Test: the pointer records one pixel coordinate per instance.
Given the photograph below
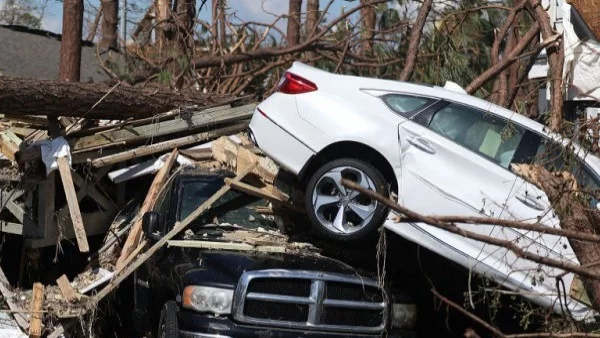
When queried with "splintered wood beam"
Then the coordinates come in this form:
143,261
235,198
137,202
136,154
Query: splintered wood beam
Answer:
135,234
66,289
9,144
37,301
135,264
270,195
166,145
73,204
227,152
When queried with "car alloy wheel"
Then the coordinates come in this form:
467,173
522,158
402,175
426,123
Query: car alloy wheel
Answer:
342,210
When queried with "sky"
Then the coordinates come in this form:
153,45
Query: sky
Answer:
254,10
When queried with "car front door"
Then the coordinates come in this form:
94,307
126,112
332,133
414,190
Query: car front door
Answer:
455,161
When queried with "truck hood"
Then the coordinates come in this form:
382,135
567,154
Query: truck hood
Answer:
224,268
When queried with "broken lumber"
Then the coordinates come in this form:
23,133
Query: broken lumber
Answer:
226,151
54,98
8,297
135,264
272,195
66,289
136,230
73,204
166,145
37,301
190,122
9,144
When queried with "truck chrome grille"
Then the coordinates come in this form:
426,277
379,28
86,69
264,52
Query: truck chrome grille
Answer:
310,300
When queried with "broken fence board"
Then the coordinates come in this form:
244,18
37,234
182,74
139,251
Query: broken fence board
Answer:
37,301
136,230
69,188
166,145
135,264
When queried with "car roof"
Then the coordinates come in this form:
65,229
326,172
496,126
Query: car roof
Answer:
431,91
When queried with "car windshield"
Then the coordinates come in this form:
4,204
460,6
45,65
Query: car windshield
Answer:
234,207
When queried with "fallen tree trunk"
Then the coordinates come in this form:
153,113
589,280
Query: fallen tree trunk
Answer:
53,98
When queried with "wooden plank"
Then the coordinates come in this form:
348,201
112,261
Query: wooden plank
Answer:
166,145
9,144
8,297
135,264
226,151
46,206
259,192
11,228
67,180
136,230
37,301
66,289
195,121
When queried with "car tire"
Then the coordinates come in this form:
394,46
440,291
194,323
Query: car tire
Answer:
362,216
167,324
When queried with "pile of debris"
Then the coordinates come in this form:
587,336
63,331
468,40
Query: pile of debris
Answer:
74,177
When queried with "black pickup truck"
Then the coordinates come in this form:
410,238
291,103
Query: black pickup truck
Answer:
192,292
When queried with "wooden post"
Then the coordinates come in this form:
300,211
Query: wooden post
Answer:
37,301
136,230
67,180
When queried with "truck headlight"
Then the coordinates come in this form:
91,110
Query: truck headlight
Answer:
404,316
207,299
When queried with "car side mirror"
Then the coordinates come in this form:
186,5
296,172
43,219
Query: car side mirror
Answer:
150,225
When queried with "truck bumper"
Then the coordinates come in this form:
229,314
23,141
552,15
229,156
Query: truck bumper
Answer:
195,325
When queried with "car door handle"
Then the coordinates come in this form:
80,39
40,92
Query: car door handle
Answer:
422,144
530,202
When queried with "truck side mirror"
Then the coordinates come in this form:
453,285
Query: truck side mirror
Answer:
150,225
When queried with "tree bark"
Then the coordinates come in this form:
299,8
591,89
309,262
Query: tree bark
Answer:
110,20
574,213
94,26
368,21
555,62
222,24
415,39
293,22
185,14
70,46
312,17
163,28
53,98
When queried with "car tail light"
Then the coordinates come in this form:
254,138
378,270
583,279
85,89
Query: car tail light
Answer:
294,84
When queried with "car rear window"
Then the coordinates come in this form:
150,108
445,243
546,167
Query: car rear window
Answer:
406,105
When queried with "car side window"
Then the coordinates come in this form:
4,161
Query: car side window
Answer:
481,132
406,105
553,156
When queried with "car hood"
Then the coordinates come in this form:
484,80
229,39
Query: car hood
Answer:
224,268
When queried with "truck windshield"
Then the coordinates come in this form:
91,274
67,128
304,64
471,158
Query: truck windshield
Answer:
234,207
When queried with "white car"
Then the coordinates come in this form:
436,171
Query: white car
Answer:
441,151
